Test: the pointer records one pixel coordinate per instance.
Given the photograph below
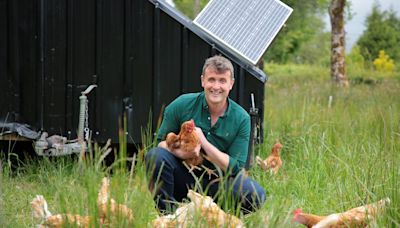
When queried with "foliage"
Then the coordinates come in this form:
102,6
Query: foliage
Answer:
315,51
383,63
302,27
189,7
382,33
337,147
354,59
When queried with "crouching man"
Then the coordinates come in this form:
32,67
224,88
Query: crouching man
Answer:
223,128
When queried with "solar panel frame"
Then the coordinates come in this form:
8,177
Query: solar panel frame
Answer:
245,27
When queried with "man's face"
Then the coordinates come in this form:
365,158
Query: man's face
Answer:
216,86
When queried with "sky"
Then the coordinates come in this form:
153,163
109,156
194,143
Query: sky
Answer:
361,9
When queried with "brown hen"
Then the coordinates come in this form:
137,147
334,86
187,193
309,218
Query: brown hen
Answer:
356,217
273,161
200,212
109,211
187,140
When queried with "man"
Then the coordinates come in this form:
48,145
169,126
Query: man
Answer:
223,128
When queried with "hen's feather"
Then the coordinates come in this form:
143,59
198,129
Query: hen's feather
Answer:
273,162
109,211
356,217
201,210
308,220
187,140
40,211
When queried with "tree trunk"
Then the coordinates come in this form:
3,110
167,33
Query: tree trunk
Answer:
196,7
338,66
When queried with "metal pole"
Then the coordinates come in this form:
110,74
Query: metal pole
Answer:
83,112
253,133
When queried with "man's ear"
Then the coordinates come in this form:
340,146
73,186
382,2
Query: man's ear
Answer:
232,83
202,80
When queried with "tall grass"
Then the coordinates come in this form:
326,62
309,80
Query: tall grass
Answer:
341,150
336,156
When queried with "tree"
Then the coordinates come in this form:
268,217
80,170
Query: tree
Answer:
338,47
303,25
382,33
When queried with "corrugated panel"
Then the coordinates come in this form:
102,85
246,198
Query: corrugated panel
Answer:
140,54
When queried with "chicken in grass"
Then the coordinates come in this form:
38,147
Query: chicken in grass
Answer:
109,209
187,140
109,212
40,211
273,162
200,212
308,220
356,217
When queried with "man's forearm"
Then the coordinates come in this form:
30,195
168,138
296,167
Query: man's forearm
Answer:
179,152
216,156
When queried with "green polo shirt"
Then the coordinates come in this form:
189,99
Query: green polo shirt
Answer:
230,134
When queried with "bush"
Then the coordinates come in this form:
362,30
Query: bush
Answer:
383,63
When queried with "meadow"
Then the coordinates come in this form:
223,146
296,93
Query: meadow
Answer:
340,150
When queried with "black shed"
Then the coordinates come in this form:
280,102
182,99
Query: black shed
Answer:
141,54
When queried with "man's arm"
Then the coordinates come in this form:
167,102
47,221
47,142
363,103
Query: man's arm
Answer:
180,153
214,155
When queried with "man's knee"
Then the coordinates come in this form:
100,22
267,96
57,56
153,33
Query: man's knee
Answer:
259,196
253,195
156,154
150,154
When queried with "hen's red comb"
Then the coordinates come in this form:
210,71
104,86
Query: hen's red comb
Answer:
277,144
297,211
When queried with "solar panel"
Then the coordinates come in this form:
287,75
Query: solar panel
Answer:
245,26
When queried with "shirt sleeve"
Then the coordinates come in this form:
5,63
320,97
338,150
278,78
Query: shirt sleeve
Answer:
170,122
239,148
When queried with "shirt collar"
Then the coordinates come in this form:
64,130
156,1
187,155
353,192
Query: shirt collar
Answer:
204,102
205,105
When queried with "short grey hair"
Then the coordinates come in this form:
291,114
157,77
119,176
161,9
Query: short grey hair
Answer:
218,64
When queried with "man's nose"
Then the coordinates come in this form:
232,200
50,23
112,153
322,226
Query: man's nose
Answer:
216,84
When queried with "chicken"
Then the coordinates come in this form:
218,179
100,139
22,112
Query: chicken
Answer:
108,208
273,161
40,211
308,220
200,212
356,217
187,140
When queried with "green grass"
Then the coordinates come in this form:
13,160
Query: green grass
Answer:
336,156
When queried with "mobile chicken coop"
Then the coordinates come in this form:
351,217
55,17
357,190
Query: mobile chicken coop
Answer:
139,54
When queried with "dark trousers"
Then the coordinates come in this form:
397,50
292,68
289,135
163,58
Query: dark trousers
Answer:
170,181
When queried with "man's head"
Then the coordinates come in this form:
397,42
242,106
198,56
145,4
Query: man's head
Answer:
217,80
218,64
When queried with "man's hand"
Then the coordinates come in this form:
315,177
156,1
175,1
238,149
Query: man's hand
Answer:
201,136
180,153
212,153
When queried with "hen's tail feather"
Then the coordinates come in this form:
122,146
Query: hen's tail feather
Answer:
259,160
40,208
273,163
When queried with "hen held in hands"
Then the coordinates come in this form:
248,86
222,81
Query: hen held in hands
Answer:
187,140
